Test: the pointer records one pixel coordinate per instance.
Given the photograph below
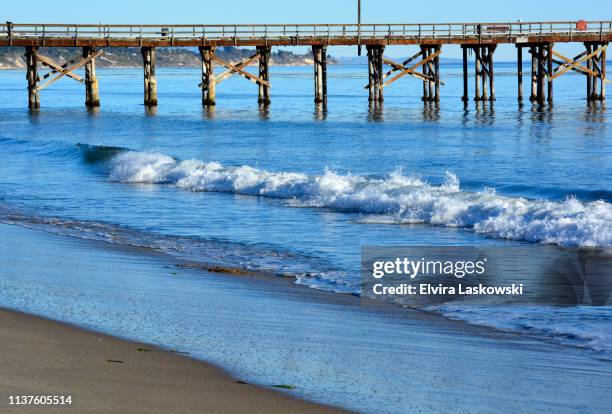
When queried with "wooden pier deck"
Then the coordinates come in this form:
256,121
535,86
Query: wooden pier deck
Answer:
482,38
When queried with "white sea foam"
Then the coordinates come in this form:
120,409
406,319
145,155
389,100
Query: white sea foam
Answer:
583,326
396,199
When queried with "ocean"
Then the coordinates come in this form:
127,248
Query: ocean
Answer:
295,191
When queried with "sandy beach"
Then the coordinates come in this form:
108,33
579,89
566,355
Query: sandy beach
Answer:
104,374
329,348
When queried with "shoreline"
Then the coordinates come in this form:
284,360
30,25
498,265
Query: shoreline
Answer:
288,282
335,349
104,373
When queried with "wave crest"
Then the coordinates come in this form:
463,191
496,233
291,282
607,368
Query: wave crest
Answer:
397,199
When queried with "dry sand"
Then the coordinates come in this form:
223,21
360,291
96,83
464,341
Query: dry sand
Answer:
43,357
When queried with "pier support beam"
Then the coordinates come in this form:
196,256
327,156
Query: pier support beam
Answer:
596,70
210,81
541,73
519,71
477,74
375,72
490,51
92,97
319,54
534,73
437,74
465,96
150,81
431,73
602,95
549,71
208,76
264,74
57,71
425,68
484,76
32,78
589,78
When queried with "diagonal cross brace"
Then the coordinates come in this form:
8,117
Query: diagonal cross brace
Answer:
230,72
67,70
578,69
395,66
411,69
569,66
238,70
402,66
484,63
50,63
224,75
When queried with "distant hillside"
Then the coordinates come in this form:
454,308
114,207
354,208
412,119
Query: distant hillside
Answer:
12,57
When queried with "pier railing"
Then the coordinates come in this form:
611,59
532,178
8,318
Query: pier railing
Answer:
287,32
481,38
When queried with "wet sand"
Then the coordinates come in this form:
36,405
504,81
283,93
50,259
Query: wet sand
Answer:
104,374
334,349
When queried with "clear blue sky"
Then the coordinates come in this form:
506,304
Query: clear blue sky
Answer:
306,11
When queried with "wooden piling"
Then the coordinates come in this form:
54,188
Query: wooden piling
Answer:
150,81
540,75
370,74
484,75
437,74
324,73
595,65
379,73
317,83
424,55
92,98
596,79
549,71
478,74
32,78
208,76
432,74
491,74
319,54
589,78
375,66
264,73
602,94
484,59
465,73
534,72
519,71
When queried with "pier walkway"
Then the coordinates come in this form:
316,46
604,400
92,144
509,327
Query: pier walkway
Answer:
481,38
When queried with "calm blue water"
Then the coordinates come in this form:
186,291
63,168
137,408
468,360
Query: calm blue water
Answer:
295,190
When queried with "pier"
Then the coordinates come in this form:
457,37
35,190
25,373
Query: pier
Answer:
537,39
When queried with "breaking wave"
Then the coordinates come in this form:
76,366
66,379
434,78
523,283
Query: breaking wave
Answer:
581,326
394,199
93,154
